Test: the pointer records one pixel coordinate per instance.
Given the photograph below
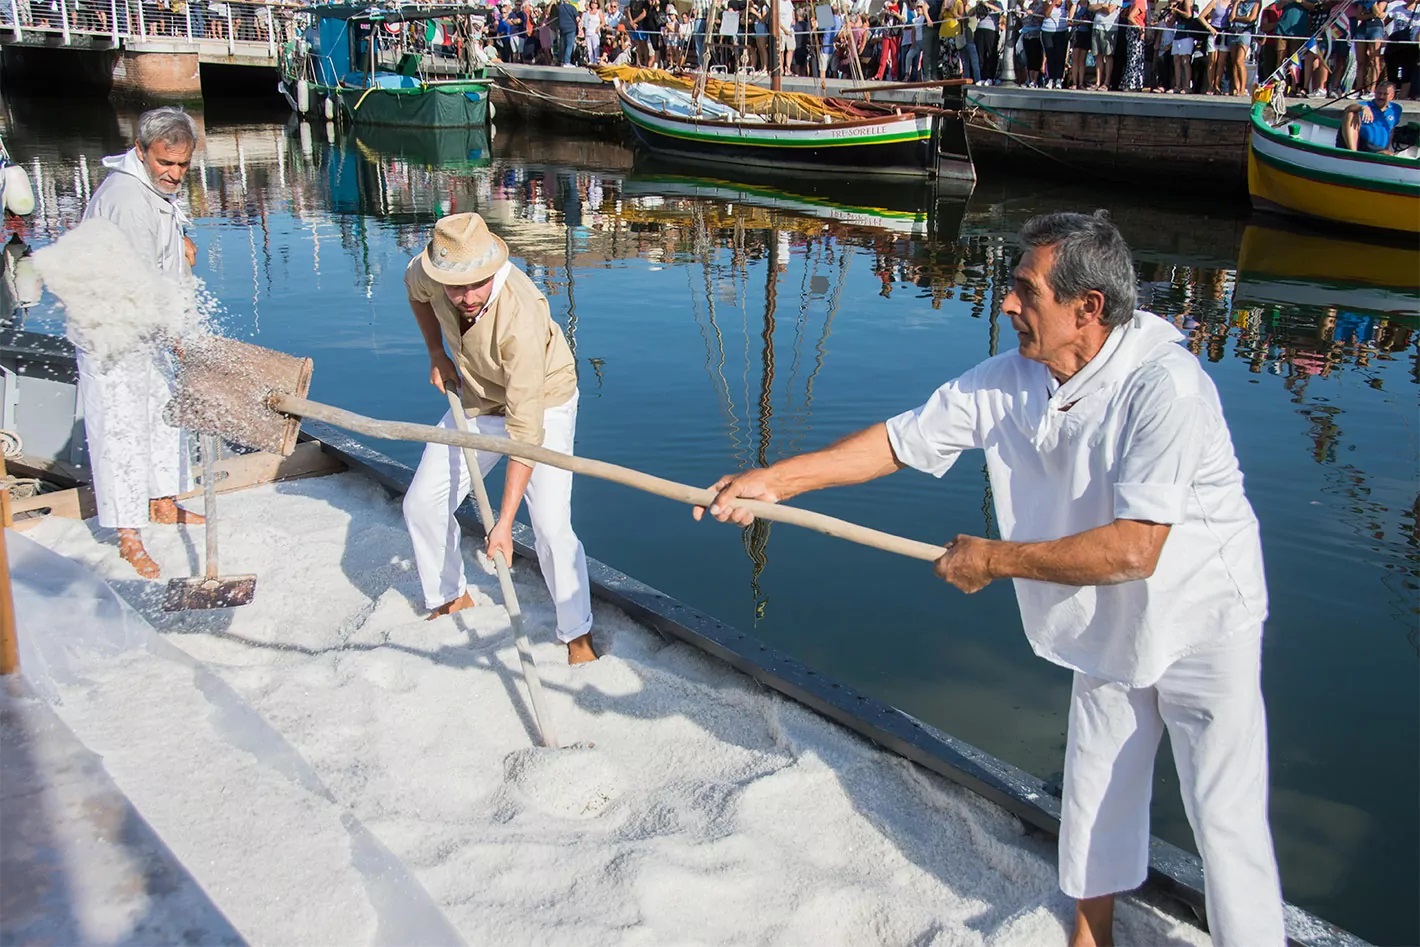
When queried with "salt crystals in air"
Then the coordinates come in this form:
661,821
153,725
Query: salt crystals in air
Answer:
116,302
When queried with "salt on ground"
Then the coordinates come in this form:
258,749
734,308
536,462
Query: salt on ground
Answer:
115,302
696,808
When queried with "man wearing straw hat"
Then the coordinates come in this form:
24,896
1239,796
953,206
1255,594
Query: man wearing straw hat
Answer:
1136,560
517,379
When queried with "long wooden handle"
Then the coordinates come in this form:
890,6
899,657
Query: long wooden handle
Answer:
695,496
543,719
9,643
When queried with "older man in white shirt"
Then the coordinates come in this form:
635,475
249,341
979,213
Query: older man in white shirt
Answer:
1136,560
139,461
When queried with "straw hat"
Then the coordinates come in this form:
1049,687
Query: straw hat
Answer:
463,251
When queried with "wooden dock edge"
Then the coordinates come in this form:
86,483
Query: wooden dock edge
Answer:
1173,873
234,472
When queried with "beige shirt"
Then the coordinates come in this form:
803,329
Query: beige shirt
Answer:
513,360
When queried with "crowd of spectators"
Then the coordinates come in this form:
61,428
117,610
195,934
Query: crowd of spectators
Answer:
1208,47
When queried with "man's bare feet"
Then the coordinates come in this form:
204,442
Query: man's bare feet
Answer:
1094,922
448,608
580,650
130,548
165,511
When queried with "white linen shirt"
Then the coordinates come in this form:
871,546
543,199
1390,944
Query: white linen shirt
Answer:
1137,434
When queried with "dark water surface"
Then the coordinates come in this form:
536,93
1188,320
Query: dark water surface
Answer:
719,325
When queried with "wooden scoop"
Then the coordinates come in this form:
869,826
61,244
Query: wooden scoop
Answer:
255,396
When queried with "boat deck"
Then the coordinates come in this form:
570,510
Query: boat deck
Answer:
410,741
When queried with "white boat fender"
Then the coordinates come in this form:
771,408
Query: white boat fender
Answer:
303,96
19,196
330,108
306,148
492,131
29,285
492,111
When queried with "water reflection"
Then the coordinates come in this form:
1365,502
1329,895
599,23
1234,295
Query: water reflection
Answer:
726,323
1299,308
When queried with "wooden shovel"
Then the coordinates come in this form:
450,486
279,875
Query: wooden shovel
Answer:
505,582
211,590
256,397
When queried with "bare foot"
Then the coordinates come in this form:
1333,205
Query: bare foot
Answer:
1094,922
130,548
165,511
580,650
448,608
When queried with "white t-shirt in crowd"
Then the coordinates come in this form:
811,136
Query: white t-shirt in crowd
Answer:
1106,21
1137,434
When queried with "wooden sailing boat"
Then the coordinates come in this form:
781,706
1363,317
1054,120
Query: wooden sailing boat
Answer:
722,122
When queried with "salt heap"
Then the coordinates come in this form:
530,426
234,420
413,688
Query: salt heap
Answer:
694,808
116,302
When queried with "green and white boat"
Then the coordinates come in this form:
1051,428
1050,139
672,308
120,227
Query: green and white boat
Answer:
337,68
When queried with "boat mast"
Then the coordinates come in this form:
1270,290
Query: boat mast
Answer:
374,34
775,77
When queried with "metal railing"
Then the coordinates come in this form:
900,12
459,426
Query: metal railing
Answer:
255,28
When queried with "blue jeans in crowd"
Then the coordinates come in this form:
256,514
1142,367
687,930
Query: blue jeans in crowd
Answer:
970,63
569,43
700,42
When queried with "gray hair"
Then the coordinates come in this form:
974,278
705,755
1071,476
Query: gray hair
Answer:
1090,254
171,126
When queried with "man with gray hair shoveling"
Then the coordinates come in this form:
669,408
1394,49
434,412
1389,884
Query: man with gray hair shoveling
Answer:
139,461
516,378
1136,561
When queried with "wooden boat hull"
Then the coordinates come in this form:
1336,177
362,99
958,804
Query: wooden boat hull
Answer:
1172,871
445,105
896,145
1308,179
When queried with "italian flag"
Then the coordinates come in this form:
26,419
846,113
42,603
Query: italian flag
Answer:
434,33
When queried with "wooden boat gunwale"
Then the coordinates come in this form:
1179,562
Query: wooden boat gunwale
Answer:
1260,126
772,126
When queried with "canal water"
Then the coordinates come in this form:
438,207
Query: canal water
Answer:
719,324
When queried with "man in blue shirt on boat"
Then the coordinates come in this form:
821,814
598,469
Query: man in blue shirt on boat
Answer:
1369,126
1136,560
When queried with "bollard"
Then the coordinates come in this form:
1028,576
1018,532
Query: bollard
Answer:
1006,59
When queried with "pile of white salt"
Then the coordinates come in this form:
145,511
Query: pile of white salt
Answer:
694,808
116,302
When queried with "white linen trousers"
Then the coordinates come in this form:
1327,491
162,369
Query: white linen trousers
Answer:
429,514
134,454
1211,703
